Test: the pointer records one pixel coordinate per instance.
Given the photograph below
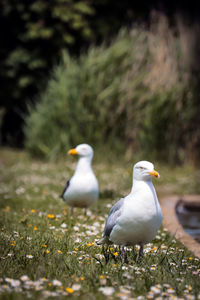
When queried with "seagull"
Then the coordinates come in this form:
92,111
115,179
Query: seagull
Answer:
81,189
135,219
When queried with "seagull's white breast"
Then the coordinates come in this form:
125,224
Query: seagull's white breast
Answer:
82,190
141,216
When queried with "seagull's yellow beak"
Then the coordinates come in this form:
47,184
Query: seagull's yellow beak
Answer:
72,151
154,173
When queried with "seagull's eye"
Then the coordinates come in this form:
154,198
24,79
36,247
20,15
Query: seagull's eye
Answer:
141,168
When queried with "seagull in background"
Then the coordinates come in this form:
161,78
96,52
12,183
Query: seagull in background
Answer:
81,189
135,219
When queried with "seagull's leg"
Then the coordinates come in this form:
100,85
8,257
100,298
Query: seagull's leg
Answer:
105,253
85,211
133,252
123,255
72,210
105,249
141,251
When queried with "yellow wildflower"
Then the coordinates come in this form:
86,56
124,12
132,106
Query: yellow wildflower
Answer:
44,246
90,244
35,228
115,253
69,290
13,243
51,216
102,276
33,210
75,249
59,251
47,251
7,208
190,258
82,278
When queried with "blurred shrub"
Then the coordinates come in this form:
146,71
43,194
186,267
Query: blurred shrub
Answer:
132,96
33,35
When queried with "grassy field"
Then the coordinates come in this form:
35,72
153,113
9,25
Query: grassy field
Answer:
46,252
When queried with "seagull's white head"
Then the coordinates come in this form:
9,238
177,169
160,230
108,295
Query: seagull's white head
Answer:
82,150
144,170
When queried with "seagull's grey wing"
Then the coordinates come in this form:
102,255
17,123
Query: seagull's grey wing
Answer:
66,187
114,213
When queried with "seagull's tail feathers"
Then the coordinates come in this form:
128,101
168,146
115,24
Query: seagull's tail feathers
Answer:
104,240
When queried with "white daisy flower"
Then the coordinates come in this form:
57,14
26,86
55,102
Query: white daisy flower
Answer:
29,256
107,290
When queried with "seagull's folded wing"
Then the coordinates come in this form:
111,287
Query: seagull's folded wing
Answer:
114,213
66,187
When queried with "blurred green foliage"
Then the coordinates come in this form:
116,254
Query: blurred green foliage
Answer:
35,32
122,97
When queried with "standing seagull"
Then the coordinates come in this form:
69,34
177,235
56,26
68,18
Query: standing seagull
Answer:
136,218
82,189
